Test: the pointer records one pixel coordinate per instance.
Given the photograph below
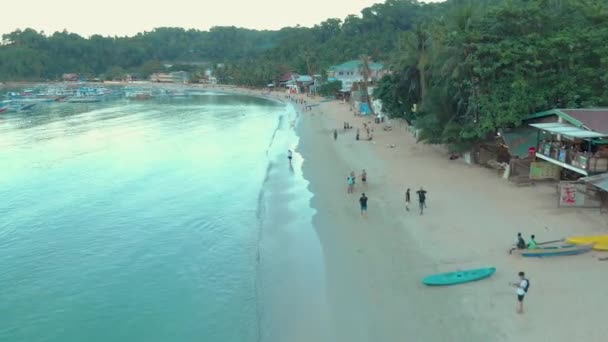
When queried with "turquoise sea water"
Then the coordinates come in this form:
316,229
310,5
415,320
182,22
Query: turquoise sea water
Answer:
133,221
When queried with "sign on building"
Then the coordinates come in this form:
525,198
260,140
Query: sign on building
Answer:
544,170
576,194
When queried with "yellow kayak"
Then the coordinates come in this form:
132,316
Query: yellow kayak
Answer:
601,241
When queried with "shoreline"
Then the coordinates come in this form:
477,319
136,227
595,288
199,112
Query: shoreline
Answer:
374,266
290,276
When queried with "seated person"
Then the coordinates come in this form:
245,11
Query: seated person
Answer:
519,243
532,244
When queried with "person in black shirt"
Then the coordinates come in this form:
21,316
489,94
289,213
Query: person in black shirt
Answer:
421,199
363,202
519,243
407,199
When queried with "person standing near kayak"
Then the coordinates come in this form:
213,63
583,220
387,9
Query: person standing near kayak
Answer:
522,287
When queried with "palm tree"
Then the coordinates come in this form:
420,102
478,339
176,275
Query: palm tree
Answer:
366,71
414,52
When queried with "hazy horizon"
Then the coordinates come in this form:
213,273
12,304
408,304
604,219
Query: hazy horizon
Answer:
122,18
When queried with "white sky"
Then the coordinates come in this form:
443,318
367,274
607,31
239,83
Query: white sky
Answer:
127,17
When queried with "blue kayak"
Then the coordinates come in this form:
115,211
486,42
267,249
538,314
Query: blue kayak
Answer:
459,277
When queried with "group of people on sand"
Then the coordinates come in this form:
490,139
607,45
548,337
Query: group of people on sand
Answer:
421,199
350,181
368,131
520,243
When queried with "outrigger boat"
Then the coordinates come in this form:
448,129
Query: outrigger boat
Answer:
554,250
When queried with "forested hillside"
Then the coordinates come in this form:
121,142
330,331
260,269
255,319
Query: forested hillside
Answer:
469,66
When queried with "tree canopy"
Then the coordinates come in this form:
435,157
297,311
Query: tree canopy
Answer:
460,69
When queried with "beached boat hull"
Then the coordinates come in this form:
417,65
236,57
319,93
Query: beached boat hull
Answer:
601,241
556,250
459,277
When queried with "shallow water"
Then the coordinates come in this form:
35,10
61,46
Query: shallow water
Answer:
143,221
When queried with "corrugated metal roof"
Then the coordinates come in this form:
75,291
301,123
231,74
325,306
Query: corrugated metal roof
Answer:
304,78
520,140
356,64
599,181
569,130
594,119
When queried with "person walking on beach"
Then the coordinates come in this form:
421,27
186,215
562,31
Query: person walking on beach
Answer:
363,203
407,199
364,177
289,155
421,199
335,134
522,286
351,184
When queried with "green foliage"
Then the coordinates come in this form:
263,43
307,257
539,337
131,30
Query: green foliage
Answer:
483,66
469,66
330,88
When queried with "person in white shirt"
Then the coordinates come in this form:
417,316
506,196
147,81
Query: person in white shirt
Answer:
522,288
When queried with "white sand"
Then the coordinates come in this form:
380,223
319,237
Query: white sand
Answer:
375,264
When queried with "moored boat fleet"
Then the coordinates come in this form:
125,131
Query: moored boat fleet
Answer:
26,99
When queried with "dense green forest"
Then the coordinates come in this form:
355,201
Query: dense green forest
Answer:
468,66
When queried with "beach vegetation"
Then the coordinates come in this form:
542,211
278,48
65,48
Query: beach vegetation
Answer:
330,88
459,69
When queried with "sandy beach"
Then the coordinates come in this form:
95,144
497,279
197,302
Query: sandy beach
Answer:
375,264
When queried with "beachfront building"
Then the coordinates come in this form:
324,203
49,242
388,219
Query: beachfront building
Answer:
287,80
351,72
173,77
573,142
296,83
304,82
573,139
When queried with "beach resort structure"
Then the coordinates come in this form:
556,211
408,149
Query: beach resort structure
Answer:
173,77
296,83
566,146
351,72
